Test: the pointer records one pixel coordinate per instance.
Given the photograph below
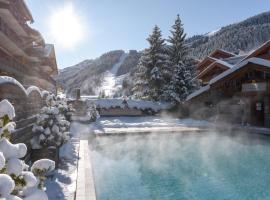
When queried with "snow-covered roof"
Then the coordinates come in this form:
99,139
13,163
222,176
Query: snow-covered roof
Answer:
255,60
212,65
258,61
224,63
234,60
198,92
254,52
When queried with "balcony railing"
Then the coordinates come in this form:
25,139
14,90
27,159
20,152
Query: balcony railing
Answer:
255,87
11,34
33,70
13,7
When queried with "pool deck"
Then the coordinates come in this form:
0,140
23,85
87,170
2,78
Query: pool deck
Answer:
85,181
182,129
253,129
145,130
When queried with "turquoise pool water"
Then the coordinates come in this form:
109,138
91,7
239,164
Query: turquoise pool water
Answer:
182,166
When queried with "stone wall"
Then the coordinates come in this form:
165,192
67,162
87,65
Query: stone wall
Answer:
27,104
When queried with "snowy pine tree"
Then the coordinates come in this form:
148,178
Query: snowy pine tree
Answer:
177,48
149,78
180,83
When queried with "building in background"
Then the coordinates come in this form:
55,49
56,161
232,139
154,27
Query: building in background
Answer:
234,88
24,55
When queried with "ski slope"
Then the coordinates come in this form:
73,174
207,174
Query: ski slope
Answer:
110,80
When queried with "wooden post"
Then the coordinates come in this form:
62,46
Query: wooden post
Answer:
78,93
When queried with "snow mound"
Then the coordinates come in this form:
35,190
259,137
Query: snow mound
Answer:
45,165
29,178
10,150
33,88
6,185
2,160
14,166
6,108
35,194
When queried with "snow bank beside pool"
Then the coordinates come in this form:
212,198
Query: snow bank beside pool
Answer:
144,122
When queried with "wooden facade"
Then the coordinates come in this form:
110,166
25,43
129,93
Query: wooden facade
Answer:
240,93
23,52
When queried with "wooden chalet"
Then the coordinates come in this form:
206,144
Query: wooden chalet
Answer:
23,52
234,88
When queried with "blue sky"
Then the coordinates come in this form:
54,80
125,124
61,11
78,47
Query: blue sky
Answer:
125,24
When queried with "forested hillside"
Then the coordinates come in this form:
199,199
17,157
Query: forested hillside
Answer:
237,38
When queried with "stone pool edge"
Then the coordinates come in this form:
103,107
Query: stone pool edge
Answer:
85,188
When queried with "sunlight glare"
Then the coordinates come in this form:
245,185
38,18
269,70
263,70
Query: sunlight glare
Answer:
66,27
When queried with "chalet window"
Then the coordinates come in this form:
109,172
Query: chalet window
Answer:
258,106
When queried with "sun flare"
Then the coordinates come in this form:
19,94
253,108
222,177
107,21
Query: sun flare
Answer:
66,27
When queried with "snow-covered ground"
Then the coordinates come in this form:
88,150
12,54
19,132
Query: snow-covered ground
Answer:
109,84
62,184
133,124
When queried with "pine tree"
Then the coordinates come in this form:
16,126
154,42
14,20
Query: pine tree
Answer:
149,78
177,49
179,84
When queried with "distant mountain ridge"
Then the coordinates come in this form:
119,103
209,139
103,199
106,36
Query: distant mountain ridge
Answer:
238,37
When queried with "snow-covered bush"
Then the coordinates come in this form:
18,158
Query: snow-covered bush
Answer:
92,111
16,181
51,128
65,109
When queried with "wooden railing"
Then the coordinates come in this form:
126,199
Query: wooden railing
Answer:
4,28
255,87
33,70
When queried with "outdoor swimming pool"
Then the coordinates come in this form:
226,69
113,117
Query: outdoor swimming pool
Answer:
182,166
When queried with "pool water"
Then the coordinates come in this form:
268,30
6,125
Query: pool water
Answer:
182,166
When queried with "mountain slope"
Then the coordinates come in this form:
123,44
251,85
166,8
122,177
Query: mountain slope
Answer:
109,84
239,37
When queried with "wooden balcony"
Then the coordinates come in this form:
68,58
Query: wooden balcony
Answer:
14,16
8,32
255,87
12,66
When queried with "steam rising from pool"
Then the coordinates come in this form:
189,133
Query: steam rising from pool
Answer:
182,166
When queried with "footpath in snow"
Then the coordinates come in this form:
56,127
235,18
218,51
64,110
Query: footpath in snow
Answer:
116,125
110,80
63,183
